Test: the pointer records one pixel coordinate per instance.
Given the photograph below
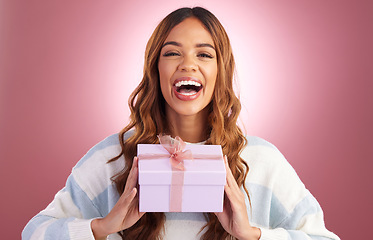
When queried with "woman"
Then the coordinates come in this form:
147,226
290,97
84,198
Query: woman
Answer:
186,91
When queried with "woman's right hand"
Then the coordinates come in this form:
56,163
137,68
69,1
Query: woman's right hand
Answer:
125,213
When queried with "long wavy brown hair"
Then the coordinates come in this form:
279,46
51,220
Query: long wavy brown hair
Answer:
148,116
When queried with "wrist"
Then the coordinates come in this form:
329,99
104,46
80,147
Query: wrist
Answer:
254,233
97,229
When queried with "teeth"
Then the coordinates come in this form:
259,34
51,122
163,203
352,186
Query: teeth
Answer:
181,83
188,94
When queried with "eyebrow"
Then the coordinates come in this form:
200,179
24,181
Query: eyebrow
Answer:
199,45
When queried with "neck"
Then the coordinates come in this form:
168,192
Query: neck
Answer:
191,128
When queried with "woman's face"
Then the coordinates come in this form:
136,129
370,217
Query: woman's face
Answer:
188,68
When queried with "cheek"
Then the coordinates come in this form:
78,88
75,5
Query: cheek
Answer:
211,77
165,71
165,75
212,84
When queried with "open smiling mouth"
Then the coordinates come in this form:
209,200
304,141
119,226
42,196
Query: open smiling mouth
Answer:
187,88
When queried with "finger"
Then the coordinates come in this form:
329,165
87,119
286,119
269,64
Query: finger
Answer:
228,169
232,189
132,176
127,198
134,204
131,195
135,162
228,192
231,181
134,167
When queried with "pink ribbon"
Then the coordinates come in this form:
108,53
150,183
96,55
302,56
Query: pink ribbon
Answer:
177,154
175,147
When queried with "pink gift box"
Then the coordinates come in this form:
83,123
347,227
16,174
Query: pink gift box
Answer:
202,189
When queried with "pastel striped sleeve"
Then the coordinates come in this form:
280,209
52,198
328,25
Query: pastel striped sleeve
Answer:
281,205
305,222
88,194
68,216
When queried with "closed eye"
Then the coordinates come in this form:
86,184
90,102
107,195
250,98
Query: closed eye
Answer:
170,54
205,55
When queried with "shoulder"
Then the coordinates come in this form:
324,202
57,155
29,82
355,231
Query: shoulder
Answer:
106,149
265,160
278,197
260,151
93,172
269,170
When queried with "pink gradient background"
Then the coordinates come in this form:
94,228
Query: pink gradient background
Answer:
305,79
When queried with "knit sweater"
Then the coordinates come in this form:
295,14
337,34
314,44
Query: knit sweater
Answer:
281,206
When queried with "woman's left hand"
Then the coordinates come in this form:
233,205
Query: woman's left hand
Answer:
234,218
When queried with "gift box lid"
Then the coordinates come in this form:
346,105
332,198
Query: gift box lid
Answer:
199,171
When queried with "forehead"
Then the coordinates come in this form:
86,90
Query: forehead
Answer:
191,30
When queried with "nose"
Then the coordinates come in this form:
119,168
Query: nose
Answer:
188,64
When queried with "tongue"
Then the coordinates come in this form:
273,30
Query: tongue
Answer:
187,90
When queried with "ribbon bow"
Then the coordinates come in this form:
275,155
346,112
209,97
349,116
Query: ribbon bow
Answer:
175,147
